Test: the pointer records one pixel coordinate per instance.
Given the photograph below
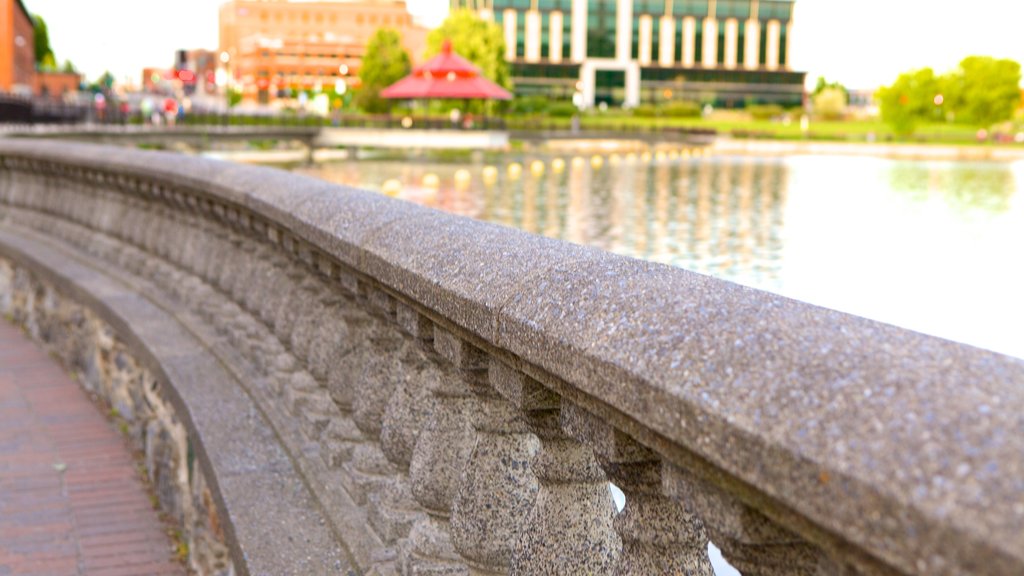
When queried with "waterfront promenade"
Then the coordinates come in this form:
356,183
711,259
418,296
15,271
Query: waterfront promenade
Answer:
71,500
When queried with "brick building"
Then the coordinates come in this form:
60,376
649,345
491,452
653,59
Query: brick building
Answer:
17,48
274,47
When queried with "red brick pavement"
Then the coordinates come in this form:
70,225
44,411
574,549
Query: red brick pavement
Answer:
71,501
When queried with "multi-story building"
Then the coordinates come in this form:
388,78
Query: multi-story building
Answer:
17,48
273,47
722,52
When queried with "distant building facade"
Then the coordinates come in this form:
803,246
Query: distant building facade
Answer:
17,48
273,47
57,85
722,52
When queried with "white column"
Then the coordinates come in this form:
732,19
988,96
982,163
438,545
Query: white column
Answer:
710,56
509,22
555,25
667,32
689,41
752,50
732,34
624,31
578,44
588,84
632,99
772,50
533,36
646,32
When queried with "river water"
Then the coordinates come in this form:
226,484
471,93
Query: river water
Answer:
935,246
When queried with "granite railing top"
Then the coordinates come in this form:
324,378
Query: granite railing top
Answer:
901,444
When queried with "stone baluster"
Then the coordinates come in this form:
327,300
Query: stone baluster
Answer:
570,523
752,543
393,512
441,453
497,489
369,470
347,362
659,535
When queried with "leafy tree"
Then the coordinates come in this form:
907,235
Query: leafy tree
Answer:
983,90
385,63
910,100
476,40
830,103
44,54
68,67
104,83
823,85
234,97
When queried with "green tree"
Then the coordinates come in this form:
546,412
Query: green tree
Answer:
385,63
983,90
103,84
68,67
44,54
824,84
830,103
476,40
910,100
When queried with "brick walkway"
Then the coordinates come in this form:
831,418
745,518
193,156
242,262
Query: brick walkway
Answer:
71,501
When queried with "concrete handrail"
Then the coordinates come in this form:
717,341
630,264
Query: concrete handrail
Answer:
800,436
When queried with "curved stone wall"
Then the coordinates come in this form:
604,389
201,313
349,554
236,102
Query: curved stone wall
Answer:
453,397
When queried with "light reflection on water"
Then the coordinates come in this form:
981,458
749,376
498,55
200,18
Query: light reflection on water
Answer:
932,246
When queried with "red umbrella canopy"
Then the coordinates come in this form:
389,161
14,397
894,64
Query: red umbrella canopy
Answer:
446,76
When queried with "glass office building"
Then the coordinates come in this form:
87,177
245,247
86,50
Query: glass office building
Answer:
723,52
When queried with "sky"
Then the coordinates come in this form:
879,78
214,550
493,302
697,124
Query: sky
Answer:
862,44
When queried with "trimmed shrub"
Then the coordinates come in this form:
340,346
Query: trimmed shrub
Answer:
765,111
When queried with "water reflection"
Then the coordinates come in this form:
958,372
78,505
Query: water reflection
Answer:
927,245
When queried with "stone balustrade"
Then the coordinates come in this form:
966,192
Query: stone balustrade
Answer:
347,383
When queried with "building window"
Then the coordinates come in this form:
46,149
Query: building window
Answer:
774,10
782,45
601,28
732,9
545,35
698,8
721,43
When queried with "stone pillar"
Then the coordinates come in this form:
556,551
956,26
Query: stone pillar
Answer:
689,41
533,36
395,511
659,535
709,56
572,515
510,24
369,470
624,31
497,488
753,544
556,25
578,46
646,32
667,48
440,456
772,48
752,47
732,32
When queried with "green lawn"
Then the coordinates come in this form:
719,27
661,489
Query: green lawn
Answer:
852,130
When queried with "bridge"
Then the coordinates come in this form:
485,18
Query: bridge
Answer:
332,381
355,133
